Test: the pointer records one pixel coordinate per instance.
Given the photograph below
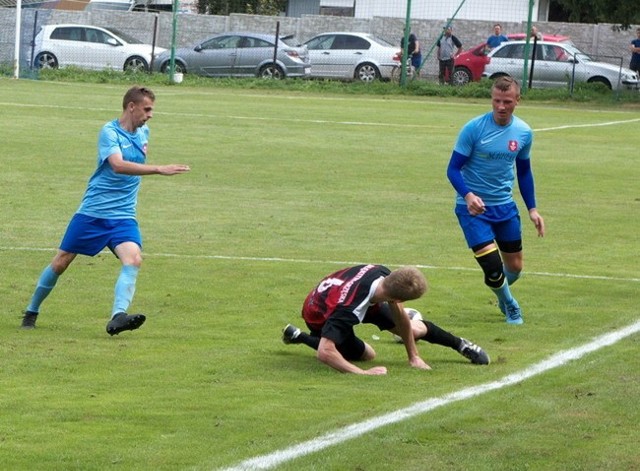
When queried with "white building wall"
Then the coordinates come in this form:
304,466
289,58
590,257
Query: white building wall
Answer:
488,10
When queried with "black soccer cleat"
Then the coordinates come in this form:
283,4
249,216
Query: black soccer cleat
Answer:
290,334
122,321
29,320
473,352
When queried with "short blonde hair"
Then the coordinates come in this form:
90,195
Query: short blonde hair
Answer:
405,284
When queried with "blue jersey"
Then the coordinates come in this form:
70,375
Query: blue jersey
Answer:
491,152
110,195
635,56
494,41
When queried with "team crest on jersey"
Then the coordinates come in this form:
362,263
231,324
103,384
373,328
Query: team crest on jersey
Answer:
513,146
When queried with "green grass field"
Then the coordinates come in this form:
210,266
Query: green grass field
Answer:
285,188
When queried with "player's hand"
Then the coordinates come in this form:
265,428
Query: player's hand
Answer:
417,362
173,169
537,220
475,205
376,371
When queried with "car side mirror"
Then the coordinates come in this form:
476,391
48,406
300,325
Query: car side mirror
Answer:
198,48
112,42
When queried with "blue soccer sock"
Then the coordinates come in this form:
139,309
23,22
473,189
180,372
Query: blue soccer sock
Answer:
503,293
125,288
512,276
46,282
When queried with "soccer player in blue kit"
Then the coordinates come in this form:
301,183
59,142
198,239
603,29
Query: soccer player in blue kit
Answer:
490,151
107,214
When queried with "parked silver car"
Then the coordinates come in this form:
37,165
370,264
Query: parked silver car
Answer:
239,55
350,56
90,47
556,65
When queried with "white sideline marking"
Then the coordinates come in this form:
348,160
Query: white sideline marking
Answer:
573,126
331,262
349,432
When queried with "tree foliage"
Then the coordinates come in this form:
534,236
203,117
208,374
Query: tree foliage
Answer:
253,7
621,12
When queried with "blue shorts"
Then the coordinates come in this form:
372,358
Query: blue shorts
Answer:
500,223
87,235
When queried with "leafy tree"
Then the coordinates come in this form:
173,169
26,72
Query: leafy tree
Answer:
621,12
267,7
256,7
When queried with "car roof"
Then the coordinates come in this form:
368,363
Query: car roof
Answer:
352,33
522,41
247,33
545,37
72,25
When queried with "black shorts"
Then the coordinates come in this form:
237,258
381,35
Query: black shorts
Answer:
339,329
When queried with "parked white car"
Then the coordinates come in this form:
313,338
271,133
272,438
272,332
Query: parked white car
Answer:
350,56
90,47
556,65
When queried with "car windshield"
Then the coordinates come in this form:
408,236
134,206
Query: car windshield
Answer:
574,51
125,36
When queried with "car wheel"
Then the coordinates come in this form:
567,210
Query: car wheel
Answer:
135,64
601,80
461,76
179,68
270,71
367,73
46,60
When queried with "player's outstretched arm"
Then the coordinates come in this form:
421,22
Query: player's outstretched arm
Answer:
119,165
403,326
329,355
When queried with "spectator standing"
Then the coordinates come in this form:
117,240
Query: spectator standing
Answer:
413,50
448,48
496,38
634,47
535,34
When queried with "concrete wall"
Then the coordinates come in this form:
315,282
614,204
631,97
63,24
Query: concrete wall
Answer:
600,39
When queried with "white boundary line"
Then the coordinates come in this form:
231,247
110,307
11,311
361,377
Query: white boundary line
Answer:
332,262
349,432
313,121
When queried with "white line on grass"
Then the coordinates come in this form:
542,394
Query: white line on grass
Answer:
312,121
332,262
573,126
349,432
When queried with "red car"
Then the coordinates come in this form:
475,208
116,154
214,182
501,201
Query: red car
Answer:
469,65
